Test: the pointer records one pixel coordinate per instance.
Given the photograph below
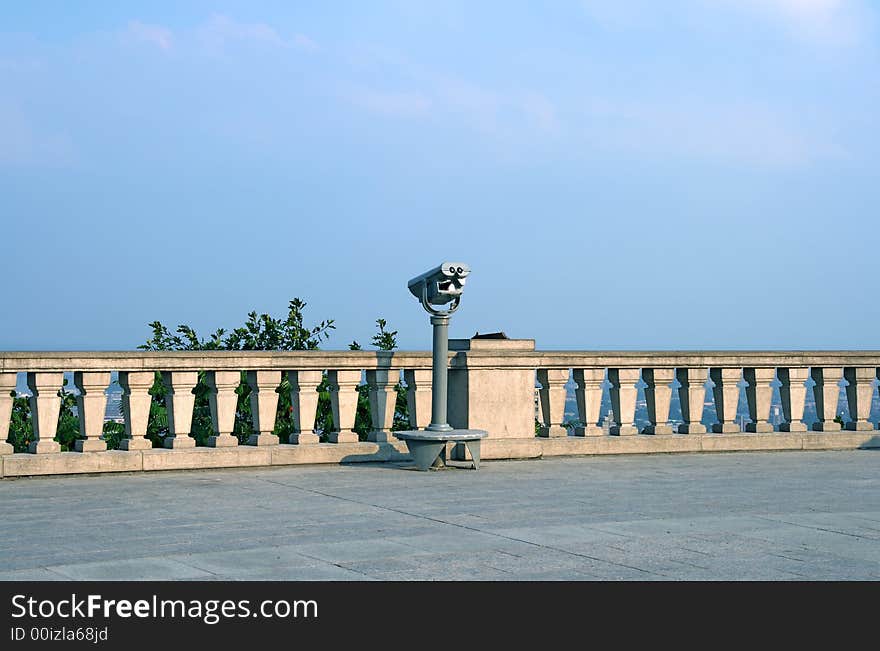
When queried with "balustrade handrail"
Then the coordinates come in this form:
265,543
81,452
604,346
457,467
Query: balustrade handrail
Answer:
343,359
211,360
562,359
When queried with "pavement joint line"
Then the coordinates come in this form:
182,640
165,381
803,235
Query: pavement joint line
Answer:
613,533
673,560
697,551
201,569
797,574
498,569
790,558
340,564
814,528
807,548
48,569
133,558
462,526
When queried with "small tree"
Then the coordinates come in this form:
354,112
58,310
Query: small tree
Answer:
259,332
383,340
68,422
21,427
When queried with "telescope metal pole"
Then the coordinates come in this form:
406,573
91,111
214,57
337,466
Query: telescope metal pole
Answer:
439,374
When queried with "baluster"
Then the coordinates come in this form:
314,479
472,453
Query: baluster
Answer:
589,400
179,402
223,401
7,386
343,403
793,393
304,399
759,394
418,397
658,396
539,408
726,394
136,401
45,406
91,405
692,395
826,393
552,401
623,400
383,398
859,394
264,406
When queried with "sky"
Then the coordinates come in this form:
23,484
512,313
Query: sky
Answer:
691,174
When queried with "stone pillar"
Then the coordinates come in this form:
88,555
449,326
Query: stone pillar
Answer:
487,392
264,406
859,394
658,396
793,393
7,386
726,393
826,392
623,400
179,401
691,395
589,400
343,403
136,401
304,399
91,405
223,401
759,394
552,397
418,397
45,405
383,398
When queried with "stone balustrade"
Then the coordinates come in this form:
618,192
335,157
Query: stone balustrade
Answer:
180,373
730,375
491,386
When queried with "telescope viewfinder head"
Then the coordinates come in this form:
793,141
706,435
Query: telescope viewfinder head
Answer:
441,285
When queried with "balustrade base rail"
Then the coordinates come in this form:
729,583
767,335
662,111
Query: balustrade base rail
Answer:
66,463
747,442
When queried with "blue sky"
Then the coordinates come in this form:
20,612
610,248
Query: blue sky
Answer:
681,175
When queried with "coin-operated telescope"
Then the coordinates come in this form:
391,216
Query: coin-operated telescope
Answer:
441,286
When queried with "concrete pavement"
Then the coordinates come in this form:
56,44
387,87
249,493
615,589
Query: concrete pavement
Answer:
774,516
